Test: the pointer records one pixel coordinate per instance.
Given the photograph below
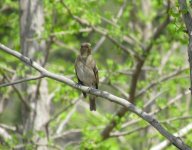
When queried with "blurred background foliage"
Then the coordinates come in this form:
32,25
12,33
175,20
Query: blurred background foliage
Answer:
138,22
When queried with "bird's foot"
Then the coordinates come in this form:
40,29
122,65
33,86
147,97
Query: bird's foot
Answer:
91,89
78,85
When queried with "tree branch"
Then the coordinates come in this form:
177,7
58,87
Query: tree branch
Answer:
21,81
170,102
180,133
113,22
123,102
125,133
160,80
25,102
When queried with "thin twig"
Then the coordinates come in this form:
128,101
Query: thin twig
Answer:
22,80
7,127
119,14
170,102
117,134
19,95
162,79
178,134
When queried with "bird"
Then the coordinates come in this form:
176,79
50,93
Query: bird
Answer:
87,71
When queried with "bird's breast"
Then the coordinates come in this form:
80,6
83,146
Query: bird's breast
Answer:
85,74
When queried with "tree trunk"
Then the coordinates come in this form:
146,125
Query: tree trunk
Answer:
32,45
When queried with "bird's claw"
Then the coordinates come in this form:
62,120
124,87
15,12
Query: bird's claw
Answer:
77,85
90,89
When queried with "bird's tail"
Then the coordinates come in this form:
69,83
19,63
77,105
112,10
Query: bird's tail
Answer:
92,103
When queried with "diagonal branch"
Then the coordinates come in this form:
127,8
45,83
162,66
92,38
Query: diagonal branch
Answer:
125,133
123,102
119,14
180,133
170,102
19,94
160,80
21,81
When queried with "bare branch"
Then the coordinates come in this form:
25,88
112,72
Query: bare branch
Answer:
119,14
117,134
64,122
162,79
19,95
170,102
22,80
7,127
180,133
63,110
68,132
4,134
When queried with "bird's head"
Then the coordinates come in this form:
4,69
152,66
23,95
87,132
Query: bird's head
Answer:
85,49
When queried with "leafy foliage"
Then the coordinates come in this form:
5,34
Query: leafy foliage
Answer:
134,30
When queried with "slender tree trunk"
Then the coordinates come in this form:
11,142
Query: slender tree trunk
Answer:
32,45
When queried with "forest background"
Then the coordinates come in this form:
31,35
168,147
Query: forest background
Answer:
141,50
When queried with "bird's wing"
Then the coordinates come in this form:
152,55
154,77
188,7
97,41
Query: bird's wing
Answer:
79,81
95,70
92,65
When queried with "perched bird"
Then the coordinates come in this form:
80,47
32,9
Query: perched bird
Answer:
87,72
